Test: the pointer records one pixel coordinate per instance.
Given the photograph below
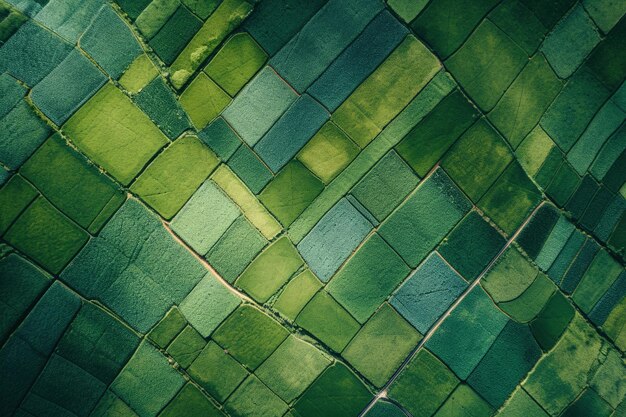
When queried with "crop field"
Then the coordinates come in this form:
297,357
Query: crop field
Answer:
312,208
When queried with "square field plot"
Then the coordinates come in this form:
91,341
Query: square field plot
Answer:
115,134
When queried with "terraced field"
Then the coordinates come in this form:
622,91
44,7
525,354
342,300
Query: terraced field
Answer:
312,208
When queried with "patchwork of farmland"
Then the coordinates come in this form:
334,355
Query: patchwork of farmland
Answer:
312,208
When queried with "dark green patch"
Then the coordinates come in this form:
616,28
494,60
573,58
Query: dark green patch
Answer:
551,322
471,245
429,140
337,393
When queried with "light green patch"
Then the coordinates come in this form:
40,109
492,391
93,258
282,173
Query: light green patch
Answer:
605,13
465,402
328,321
250,336
226,17
255,399
115,134
509,277
205,217
554,244
270,270
155,16
487,64
394,83
148,382
561,375
72,184
609,381
138,74
381,346
466,335
208,304
190,401
524,102
368,278
527,305
168,328
292,368
235,64
297,294
534,150
614,325
203,101
170,180
111,405
425,218
290,192
407,9
250,206
521,405
328,152
383,188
